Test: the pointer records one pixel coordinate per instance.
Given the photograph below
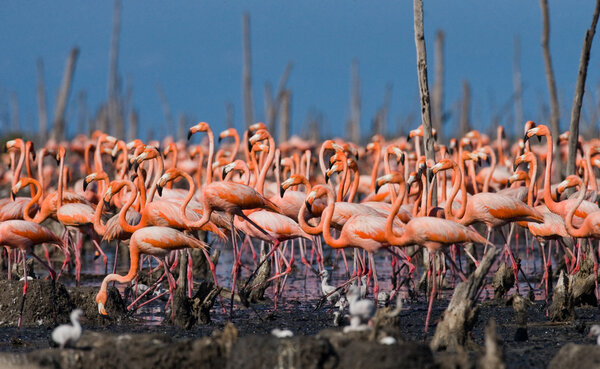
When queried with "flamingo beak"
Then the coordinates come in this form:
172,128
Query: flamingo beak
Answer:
189,135
135,165
408,137
430,175
159,189
101,309
377,187
326,178
539,138
281,191
308,206
85,184
12,196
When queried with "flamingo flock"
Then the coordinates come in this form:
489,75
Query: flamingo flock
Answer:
299,199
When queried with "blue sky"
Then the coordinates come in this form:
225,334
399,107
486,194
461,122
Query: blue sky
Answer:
193,50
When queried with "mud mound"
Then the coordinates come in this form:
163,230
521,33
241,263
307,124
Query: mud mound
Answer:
101,350
85,299
43,305
576,356
96,350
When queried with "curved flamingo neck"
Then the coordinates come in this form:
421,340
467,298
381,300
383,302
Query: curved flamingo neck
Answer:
488,178
392,238
40,172
328,215
99,227
355,183
316,230
122,219
590,171
387,167
86,158
375,170
532,182
207,209
550,203
199,170
456,185
575,232
236,146
265,168
34,200
134,256
211,154
278,167
60,189
19,167
156,176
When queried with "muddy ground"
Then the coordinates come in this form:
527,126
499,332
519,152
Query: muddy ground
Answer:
124,339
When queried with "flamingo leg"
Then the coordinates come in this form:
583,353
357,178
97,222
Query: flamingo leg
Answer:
375,281
433,290
234,271
25,285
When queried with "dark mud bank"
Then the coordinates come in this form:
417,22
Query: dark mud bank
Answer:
224,349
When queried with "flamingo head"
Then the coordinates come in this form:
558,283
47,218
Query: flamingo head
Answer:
519,175
443,164
539,131
101,301
415,132
569,182
395,177
329,144
260,135
231,132
452,145
17,187
312,195
412,178
294,180
335,168
200,127
60,154
96,176
256,126
171,147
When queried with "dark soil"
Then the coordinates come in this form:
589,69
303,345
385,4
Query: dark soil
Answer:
109,341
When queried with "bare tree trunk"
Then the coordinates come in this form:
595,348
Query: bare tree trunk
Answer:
82,116
102,119
380,120
166,109
41,100
428,139
133,125
554,107
269,108
579,90
518,86
228,114
59,125
465,109
181,131
284,116
437,112
272,105
246,73
354,121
